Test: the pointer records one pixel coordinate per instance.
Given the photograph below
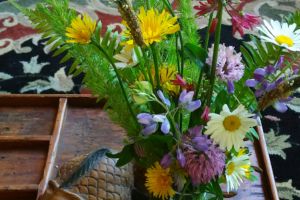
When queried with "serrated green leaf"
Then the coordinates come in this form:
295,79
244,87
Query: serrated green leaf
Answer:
106,37
249,136
248,59
60,50
56,37
67,57
256,57
260,48
254,133
78,71
86,166
57,44
112,43
37,21
270,48
74,65
40,25
33,17
98,32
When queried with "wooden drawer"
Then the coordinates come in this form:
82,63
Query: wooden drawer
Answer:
38,133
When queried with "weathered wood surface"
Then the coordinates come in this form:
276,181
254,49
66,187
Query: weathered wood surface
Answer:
86,127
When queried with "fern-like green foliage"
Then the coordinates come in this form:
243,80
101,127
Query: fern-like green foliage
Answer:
293,18
51,18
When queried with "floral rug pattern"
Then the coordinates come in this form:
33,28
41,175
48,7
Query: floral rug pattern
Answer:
27,67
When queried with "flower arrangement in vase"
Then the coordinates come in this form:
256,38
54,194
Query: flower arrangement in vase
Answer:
186,108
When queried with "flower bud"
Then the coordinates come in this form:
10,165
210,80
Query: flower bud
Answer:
213,26
166,161
141,92
180,157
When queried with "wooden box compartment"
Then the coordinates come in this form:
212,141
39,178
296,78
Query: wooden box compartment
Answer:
38,133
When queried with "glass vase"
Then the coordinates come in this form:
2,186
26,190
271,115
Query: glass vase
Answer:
194,196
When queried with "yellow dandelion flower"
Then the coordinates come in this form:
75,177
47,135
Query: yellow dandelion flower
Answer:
159,182
154,27
81,30
172,90
166,73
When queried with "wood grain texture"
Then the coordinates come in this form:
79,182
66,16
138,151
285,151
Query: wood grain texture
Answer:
25,138
26,120
53,145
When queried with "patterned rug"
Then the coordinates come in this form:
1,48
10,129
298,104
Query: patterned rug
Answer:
27,67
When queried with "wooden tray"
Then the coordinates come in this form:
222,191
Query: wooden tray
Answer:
38,133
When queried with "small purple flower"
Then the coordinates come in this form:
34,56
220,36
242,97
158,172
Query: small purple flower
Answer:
166,161
230,87
259,74
196,131
186,100
150,126
279,63
180,157
200,143
165,126
251,83
163,98
280,107
295,71
261,90
270,69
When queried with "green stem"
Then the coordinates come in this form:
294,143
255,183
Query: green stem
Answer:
216,51
207,32
177,56
148,67
184,189
148,4
142,66
118,76
205,47
155,55
171,120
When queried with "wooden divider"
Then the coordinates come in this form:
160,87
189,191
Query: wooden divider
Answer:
53,146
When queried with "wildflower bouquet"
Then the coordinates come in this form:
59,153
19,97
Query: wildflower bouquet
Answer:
186,108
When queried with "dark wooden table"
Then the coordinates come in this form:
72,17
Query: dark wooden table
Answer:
38,133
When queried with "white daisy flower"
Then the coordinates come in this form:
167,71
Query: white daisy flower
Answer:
128,59
230,128
234,170
282,35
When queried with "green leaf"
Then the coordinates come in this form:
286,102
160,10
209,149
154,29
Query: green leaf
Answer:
256,57
270,48
42,24
254,133
98,32
260,48
106,37
112,43
52,39
57,44
222,98
86,166
249,136
202,187
213,198
86,77
60,50
253,178
47,34
67,57
163,139
217,188
197,54
74,65
45,29
125,156
248,59
78,71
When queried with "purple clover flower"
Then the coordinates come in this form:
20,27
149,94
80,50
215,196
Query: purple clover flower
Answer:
186,100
